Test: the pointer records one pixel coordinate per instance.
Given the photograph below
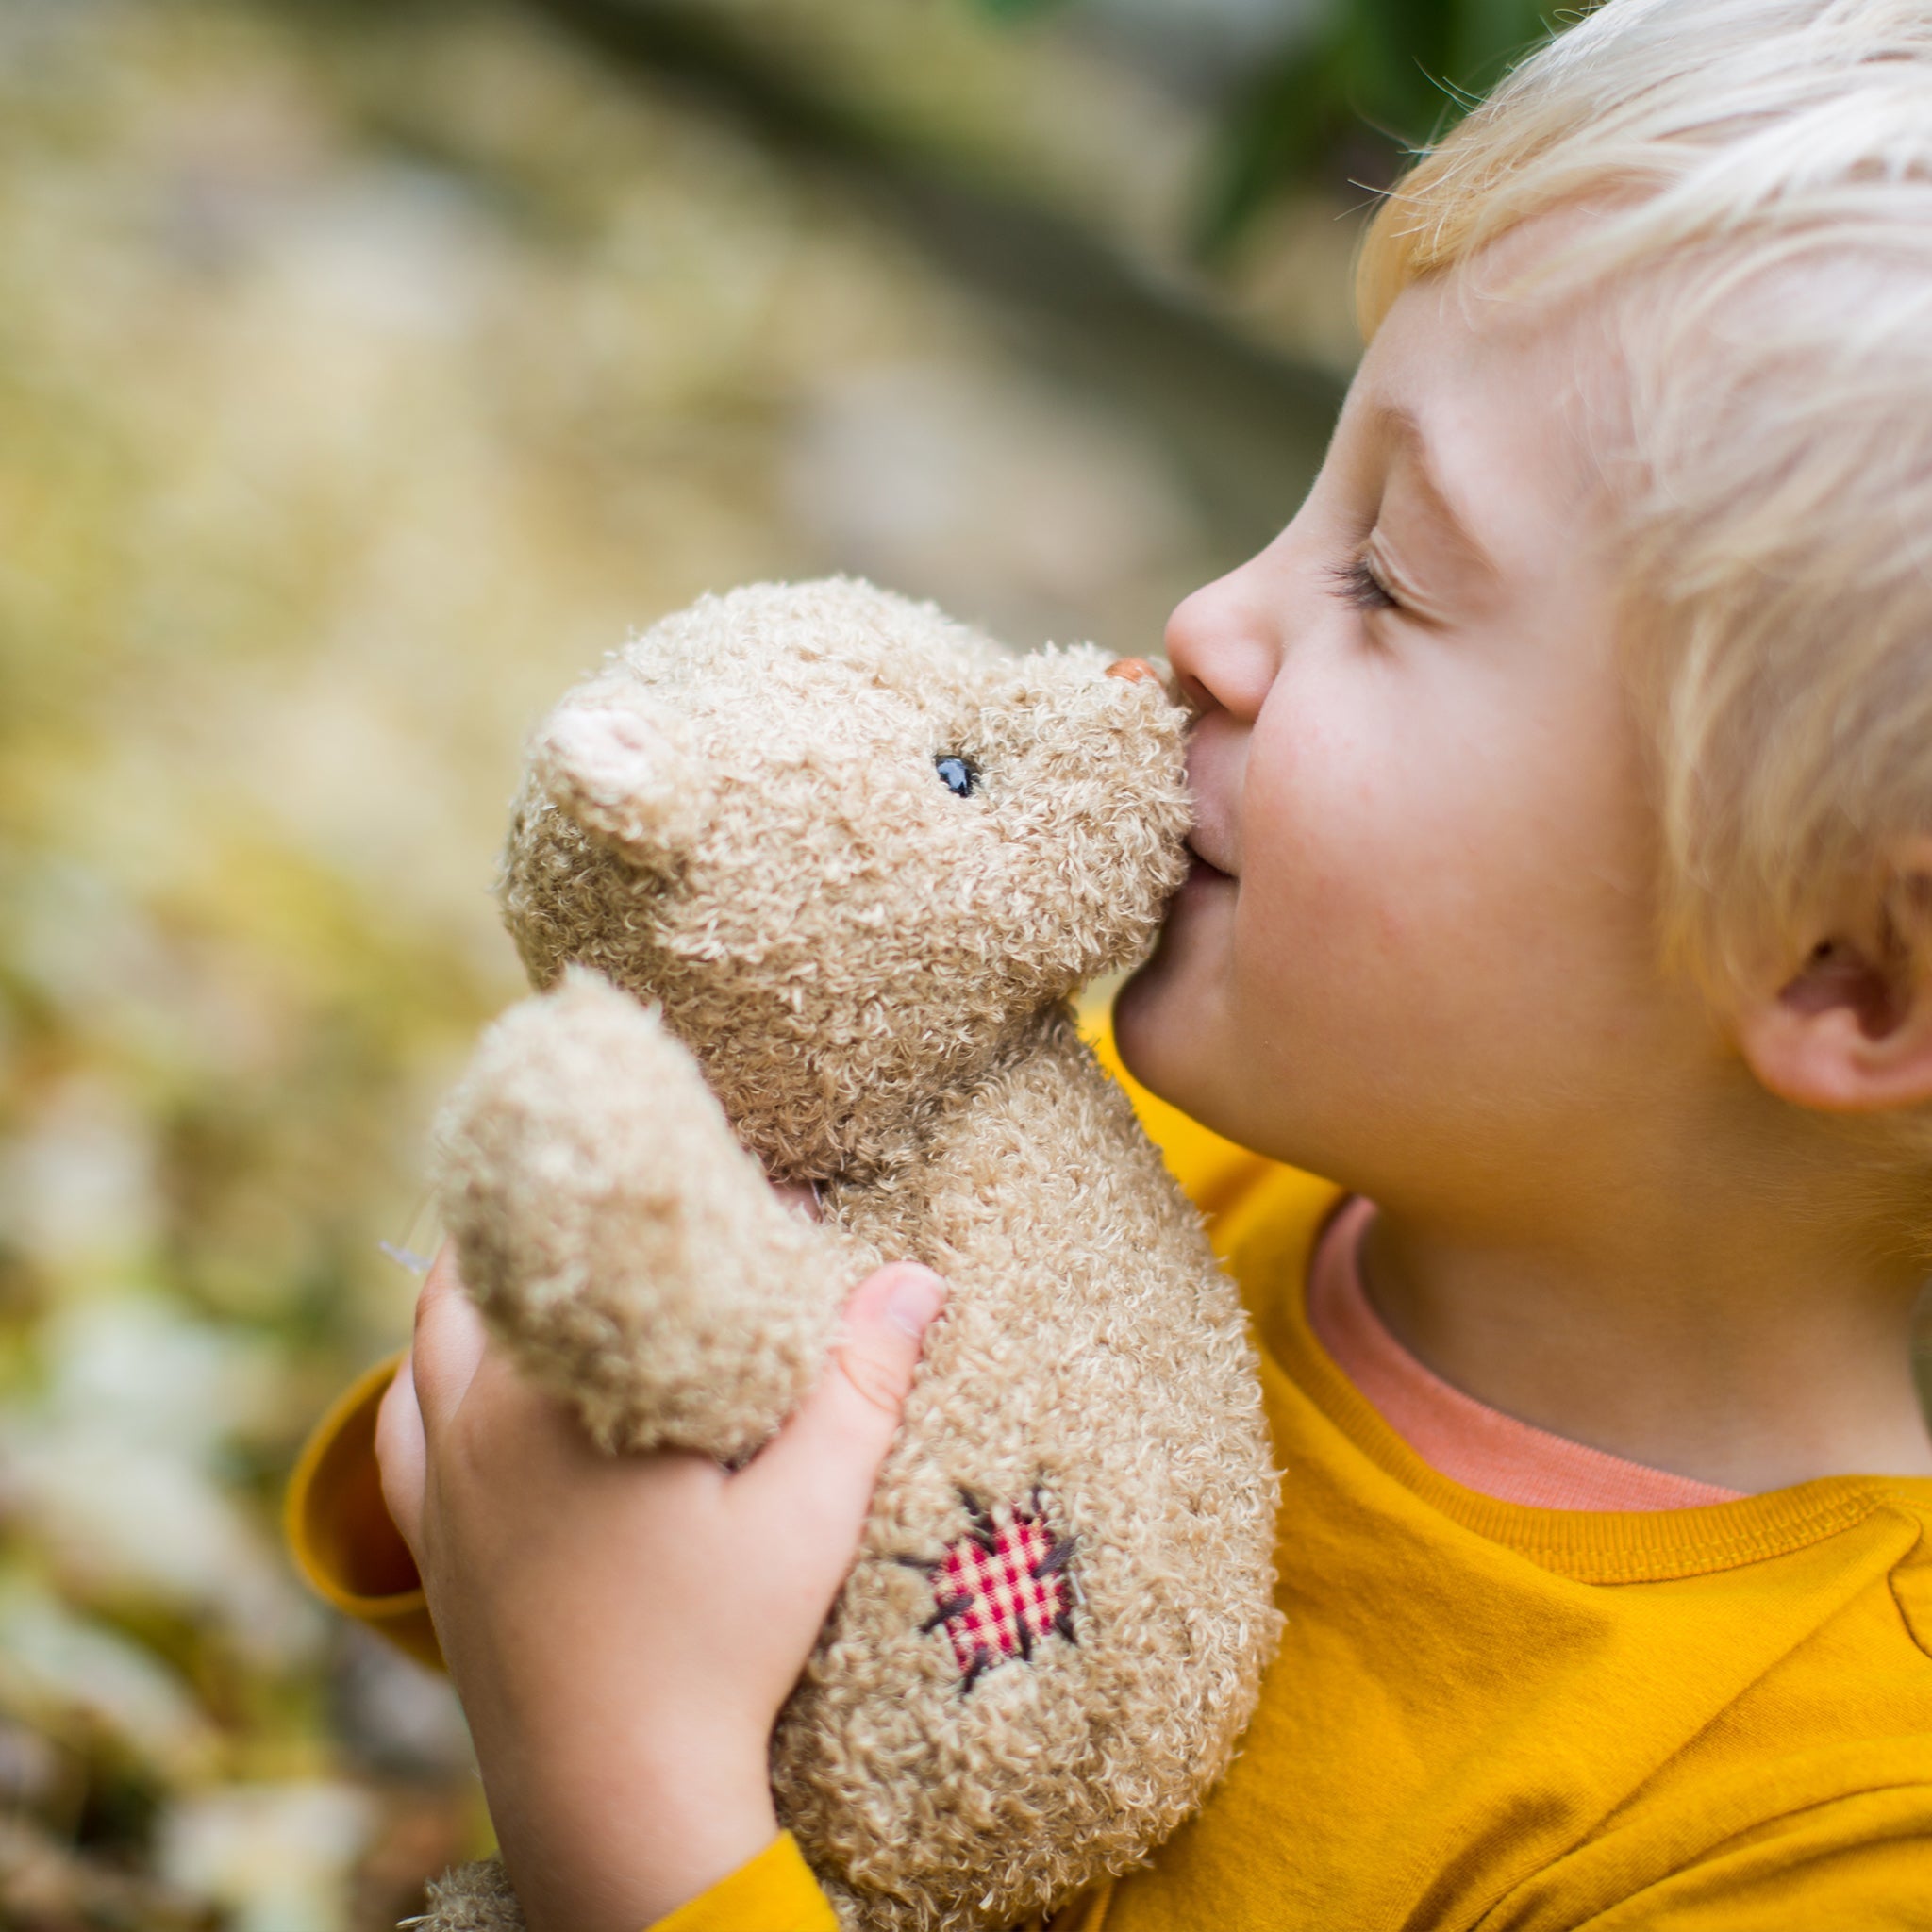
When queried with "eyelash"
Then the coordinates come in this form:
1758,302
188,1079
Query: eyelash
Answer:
1357,585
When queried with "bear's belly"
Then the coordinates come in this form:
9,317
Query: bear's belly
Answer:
1063,1601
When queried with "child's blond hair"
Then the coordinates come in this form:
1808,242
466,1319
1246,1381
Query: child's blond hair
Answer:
1762,173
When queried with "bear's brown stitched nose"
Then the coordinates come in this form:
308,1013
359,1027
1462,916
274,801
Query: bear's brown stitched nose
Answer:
1135,669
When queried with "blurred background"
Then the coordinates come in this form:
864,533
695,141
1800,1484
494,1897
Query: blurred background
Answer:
366,373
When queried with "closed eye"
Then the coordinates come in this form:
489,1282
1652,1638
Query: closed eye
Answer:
1358,585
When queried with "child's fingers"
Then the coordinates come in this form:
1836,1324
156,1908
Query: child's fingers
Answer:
450,1341
401,1454
823,1464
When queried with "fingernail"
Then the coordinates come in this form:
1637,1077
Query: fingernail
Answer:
915,1299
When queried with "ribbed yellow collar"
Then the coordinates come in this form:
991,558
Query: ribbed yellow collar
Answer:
1269,1238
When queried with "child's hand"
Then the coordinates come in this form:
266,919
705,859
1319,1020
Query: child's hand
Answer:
623,1630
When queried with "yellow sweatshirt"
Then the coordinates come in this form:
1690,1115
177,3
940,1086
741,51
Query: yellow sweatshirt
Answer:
1483,1715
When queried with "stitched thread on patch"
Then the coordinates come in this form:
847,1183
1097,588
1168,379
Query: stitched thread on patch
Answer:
1002,1586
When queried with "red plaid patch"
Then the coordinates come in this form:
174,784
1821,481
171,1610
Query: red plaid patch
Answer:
1001,1587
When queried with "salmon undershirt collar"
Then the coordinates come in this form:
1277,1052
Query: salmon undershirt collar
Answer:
1457,1436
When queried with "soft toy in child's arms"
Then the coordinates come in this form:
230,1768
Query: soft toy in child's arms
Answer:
809,873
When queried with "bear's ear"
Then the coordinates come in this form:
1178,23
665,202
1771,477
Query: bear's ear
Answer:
620,771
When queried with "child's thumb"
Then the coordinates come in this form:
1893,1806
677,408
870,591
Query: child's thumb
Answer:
884,1330
842,1429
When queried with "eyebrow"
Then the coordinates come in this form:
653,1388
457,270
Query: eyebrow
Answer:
1391,423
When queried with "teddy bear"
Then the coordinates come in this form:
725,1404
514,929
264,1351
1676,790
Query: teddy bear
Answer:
806,876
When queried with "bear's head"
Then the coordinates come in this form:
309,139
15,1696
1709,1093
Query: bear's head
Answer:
847,846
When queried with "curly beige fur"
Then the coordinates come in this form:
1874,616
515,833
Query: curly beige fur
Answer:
735,853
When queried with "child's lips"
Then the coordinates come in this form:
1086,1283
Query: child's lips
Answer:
1204,868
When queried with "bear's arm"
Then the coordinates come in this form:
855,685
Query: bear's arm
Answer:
620,1240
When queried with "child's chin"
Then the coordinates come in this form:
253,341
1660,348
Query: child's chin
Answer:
1157,1004
1150,1021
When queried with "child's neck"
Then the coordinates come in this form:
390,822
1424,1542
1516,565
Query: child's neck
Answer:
1748,1363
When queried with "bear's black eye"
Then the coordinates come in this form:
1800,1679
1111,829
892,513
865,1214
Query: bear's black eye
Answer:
957,775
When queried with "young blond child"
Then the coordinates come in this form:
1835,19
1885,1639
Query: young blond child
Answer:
1565,891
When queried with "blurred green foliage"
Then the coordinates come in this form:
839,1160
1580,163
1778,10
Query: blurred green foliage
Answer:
1379,78
1345,98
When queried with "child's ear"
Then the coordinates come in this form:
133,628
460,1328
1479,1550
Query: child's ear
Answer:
1851,1030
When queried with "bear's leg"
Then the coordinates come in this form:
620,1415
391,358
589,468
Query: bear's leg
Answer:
620,1241
471,1898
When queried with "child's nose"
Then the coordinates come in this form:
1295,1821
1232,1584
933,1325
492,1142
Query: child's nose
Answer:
1224,644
